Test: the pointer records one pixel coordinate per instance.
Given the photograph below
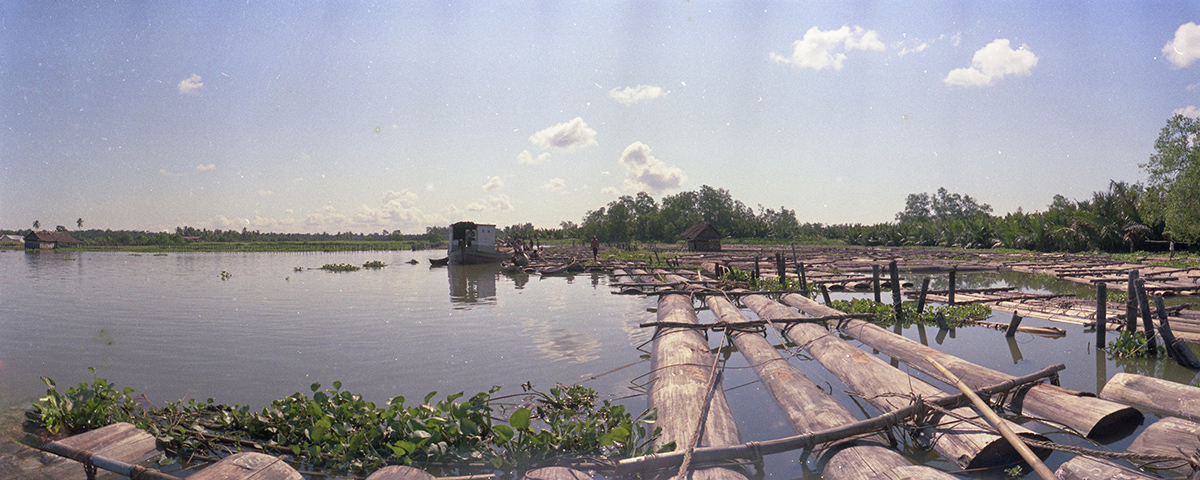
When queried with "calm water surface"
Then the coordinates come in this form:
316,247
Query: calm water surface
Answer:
171,328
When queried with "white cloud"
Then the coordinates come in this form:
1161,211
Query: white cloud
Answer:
265,193
167,173
565,136
220,221
526,158
956,39
1190,111
327,218
493,183
994,61
630,95
474,207
1185,47
205,168
820,50
190,85
555,185
610,191
1192,87
643,172
500,202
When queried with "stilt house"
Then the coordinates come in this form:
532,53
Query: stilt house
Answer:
49,239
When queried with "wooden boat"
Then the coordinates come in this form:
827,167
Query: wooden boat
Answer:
439,262
472,244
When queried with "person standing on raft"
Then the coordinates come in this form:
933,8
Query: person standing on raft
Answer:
595,247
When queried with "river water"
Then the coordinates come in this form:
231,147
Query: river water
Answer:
247,328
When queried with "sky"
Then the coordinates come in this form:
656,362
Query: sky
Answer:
367,117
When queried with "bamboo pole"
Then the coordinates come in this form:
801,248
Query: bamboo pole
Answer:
998,423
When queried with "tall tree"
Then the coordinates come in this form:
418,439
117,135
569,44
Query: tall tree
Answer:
79,223
1174,170
37,224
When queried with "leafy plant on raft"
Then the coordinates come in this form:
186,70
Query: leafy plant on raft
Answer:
374,265
883,314
339,431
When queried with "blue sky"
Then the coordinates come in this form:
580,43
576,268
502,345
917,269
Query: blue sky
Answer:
335,116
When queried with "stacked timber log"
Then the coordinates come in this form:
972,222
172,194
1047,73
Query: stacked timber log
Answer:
1086,414
886,388
810,409
684,389
1086,468
1170,437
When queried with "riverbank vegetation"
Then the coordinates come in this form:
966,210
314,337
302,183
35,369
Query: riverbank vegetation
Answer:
337,431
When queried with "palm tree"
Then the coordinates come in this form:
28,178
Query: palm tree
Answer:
79,223
37,224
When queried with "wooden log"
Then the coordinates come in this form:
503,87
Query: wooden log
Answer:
1091,416
116,448
1154,394
897,302
248,465
1147,316
950,289
400,472
880,384
554,473
1178,349
1170,436
682,362
807,407
1131,303
1012,325
1087,468
1101,315
875,282
924,292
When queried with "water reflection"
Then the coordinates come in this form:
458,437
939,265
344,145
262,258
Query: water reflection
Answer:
472,284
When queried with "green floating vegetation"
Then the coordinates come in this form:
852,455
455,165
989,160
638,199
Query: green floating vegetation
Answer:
1131,345
340,267
374,265
338,431
884,314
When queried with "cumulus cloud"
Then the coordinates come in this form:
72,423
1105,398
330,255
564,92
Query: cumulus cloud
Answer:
643,172
1184,49
475,207
500,202
205,168
555,185
167,173
565,136
1190,111
265,193
526,158
994,61
630,95
327,218
493,183
190,85
820,50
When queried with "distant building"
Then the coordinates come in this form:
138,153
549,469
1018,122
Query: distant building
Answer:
12,239
703,237
49,239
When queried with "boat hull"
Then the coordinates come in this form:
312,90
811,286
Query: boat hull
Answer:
475,258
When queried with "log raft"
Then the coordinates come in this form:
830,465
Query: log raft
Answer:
1082,412
810,409
682,390
881,384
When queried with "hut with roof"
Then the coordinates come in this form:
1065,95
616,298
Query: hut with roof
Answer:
47,240
703,237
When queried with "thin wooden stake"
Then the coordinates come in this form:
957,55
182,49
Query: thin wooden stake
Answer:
921,299
825,294
1012,325
897,301
875,282
994,419
1131,303
1147,316
950,293
1101,315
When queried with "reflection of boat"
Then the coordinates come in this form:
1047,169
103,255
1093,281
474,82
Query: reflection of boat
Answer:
439,262
472,284
472,244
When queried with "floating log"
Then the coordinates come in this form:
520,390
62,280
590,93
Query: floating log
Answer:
1052,332
1175,399
807,407
681,390
1091,416
400,472
248,465
1174,437
1087,468
1177,348
879,383
116,448
554,473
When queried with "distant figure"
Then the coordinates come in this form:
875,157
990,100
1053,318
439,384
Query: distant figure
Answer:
595,248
